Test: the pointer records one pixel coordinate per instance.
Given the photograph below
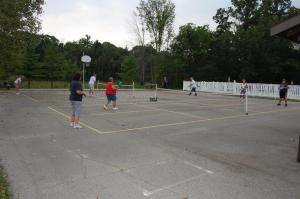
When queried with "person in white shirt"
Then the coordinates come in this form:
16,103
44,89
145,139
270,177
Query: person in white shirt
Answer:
92,84
18,82
193,86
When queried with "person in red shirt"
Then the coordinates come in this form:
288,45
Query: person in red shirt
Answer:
111,94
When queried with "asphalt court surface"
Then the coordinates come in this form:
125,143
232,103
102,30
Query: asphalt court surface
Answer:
181,146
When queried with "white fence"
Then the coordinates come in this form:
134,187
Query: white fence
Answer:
259,90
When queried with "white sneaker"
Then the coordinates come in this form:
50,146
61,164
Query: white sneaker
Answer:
105,107
77,126
115,109
71,123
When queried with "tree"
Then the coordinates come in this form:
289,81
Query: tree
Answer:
192,46
129,69
17,17
54,63
158,16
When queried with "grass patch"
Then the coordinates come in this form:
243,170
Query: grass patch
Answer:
4,186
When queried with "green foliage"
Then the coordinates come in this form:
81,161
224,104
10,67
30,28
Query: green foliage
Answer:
4,186
241,46
129,69
16,18
158,16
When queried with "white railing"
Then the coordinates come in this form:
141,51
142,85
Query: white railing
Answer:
259,90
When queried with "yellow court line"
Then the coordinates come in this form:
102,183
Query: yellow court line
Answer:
197,121
176,112
124,112
83,124
173,124
29,97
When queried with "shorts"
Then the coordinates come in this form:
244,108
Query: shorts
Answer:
193,89
243,91
76,108
283,94
111,97
92,87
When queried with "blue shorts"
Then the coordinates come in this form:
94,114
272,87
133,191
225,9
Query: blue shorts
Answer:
76,108
111,97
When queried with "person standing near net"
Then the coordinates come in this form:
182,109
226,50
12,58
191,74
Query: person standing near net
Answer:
18,82
244,88
283,91
111,94
193,86
92,85
76,94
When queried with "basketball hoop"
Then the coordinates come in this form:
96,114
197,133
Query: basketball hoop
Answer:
86,60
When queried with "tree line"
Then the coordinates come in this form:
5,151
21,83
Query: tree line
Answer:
240,47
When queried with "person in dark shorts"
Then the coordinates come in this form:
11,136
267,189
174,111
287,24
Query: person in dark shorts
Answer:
283,91
244,88
111,94
76,94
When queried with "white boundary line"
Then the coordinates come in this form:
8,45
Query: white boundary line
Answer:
29,97
149,193
198,167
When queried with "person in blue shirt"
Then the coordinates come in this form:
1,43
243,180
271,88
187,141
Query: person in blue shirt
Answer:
283,91
76,94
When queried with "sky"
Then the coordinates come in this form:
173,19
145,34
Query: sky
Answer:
109,20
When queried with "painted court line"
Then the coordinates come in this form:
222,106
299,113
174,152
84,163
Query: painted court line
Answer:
176,112
124,112
196,121
171,124
83,124
149,193
29,97
198,167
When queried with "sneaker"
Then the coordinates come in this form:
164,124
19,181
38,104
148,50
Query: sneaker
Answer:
105,107
115,109
77,126
278,104
71,123
285,105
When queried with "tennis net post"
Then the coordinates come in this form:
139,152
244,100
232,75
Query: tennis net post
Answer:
298,157
246,104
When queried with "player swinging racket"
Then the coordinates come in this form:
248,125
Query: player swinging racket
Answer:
193,86
111,94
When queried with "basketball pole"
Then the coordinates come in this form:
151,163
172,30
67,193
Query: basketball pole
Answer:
83,66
